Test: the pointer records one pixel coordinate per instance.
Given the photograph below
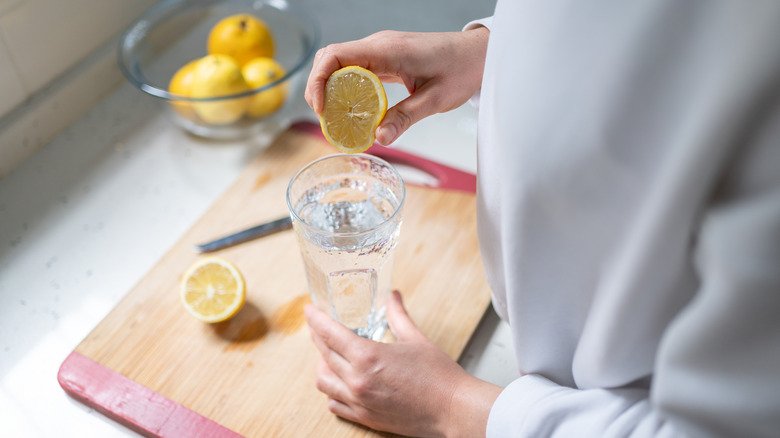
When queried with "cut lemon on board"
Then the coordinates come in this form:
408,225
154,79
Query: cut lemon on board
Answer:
213,290
355,104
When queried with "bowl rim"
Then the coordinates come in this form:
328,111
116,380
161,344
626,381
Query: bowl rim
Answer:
146,21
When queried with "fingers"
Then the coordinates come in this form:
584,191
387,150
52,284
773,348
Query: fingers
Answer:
315,86
333,57
307,91
331,384
400,323
383,53
343,410
420,104
334,335
334,360
340,400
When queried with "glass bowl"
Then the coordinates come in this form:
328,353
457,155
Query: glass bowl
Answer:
174,32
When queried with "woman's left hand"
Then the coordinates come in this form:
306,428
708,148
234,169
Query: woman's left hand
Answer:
409,387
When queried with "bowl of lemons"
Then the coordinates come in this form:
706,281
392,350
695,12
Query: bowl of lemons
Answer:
225,69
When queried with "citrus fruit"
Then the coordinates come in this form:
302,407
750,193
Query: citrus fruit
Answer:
242,36
355,104
212,290
181,85
257,73
218,75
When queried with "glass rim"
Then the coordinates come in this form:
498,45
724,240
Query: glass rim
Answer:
369,157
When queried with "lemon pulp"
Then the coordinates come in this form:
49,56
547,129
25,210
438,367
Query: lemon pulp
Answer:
355,104
213,290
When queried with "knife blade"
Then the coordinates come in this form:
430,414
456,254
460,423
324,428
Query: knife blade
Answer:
242,236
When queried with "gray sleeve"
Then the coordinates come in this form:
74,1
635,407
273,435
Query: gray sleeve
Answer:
717,369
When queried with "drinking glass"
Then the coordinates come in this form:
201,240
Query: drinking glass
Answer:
346,212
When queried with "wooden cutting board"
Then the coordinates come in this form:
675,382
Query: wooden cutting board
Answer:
153,367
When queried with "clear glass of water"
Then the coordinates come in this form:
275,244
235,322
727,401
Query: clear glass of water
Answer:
346,211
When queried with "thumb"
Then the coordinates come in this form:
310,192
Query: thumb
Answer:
400,323
420,104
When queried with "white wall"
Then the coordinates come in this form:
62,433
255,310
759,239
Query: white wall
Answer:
57,59
41,39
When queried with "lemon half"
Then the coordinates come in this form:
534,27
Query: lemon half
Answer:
213,290
355,104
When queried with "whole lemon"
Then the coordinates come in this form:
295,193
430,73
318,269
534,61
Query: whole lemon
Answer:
242,36
181,85
259,72
219,75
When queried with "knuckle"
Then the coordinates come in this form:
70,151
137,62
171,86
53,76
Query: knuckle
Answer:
360,387
330,50
368,358
385,35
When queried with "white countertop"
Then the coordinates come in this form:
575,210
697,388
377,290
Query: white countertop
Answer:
88,215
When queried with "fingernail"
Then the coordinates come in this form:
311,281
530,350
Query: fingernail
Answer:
385,134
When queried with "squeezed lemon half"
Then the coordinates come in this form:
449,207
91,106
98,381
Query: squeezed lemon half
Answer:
355,104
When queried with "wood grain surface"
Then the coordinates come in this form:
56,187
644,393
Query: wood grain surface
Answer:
254,374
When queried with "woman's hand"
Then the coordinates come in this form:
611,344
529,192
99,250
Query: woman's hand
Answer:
408,387
440,70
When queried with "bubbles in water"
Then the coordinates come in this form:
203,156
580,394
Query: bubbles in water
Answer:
346,206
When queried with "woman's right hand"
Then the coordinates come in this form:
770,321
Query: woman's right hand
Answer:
440,70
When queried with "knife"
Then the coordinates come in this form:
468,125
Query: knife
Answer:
255,232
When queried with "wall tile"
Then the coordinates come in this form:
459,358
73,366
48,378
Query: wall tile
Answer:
7,5
46,37
68,99
11,91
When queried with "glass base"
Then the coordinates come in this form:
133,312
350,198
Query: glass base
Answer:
375,333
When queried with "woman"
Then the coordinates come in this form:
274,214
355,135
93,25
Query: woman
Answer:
629,220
